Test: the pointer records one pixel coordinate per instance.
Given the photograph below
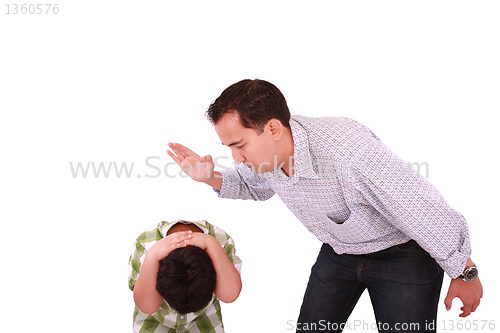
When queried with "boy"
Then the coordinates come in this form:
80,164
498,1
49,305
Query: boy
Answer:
178,272
383,227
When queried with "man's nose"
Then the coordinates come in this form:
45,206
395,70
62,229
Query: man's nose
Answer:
239,158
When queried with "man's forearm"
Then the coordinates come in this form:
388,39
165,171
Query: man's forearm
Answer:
215,181
469,263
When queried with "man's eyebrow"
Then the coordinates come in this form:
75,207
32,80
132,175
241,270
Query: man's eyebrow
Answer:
234,143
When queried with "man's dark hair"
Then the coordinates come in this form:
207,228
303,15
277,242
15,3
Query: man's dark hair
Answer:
255,101
186,279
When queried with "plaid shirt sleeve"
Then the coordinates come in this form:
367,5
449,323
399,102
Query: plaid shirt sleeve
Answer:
134,265
227,244
151,235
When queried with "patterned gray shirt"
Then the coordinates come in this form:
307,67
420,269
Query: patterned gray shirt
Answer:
352,192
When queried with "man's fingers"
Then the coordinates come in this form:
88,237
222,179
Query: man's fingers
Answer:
448,300
474,306
182,150
206,158
466,310
177,151
186,166
174,157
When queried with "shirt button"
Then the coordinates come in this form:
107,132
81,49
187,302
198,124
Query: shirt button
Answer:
303,207
182,317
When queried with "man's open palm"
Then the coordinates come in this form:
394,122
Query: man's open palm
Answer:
198,168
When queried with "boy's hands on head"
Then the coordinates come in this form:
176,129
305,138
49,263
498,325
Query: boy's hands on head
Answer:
201,240
166,245
146,296
228,285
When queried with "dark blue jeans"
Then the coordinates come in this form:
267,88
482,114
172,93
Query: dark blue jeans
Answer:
403,282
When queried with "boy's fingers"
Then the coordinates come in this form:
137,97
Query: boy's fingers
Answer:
178,237
183,235
177,245
190,242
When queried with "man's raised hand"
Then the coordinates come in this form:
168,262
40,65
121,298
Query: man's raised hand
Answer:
198,168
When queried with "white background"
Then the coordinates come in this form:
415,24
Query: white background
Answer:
114,81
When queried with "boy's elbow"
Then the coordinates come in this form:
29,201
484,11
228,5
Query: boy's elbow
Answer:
148,311
146,305
230,295
147,308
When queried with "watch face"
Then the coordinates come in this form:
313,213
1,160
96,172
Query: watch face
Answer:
470,274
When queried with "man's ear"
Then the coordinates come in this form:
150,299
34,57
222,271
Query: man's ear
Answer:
275,127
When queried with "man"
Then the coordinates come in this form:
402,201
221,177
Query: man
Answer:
384,228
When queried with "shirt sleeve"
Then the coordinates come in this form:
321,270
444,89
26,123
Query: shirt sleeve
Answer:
413,205
227,244
243,183
230,250
135,263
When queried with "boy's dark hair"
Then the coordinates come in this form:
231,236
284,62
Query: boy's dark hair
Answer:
255,101
186,279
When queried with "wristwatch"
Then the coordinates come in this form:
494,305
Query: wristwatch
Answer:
469,274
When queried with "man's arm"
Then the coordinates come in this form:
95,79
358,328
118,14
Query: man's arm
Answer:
228,284
469,292
215,181
415,207
146,297
231,185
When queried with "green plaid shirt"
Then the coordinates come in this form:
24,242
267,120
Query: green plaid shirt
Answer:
166,319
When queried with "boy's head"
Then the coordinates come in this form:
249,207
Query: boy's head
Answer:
186,279
255,102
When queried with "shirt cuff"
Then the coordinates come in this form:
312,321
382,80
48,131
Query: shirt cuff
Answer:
227,191
455,264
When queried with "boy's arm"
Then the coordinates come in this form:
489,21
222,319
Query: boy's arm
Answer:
228,285
146,297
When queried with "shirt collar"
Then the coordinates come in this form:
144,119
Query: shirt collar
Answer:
200,224
301,153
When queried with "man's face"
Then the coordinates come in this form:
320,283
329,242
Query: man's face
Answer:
247,145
